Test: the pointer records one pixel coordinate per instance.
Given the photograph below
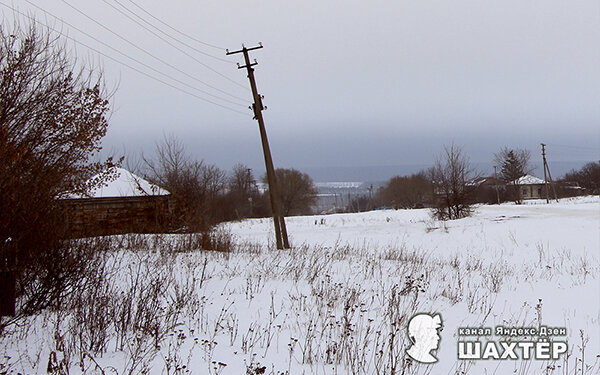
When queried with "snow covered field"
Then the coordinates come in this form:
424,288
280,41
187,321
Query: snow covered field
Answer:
340,300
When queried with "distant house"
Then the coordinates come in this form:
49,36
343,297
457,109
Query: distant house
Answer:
530,187
485,181
486,189
569,189
128,204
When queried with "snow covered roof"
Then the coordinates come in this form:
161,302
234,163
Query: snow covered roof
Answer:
483,180
529,180
126,184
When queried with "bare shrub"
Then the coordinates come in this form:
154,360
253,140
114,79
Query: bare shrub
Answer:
53,114
449,176
217,240
405,191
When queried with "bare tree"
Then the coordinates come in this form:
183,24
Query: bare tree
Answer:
587,177
514,164
449,177
242,180
53,115
169,161
297,190
196,187
244,195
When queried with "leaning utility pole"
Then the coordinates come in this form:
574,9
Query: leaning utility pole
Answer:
278,219
547,175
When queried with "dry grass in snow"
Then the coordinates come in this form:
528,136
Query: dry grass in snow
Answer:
337,303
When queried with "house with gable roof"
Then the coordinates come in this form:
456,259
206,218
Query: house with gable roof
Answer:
531,187
127,204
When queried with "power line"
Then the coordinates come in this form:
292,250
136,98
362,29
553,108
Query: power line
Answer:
136,60
163,32
143,50
125,64
175,39
174,29
575,147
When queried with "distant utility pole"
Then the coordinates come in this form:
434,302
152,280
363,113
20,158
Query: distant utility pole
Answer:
496,185
250,189
278,219
547,175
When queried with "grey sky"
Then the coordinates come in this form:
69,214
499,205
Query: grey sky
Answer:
358,83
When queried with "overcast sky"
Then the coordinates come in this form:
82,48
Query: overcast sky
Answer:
351,83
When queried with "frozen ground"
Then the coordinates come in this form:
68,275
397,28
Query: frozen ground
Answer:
339,301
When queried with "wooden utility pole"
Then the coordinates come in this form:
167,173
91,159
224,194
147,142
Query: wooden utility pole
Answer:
496,185
278,219
547,176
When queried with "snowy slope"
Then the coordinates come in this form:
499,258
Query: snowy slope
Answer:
529,255
339,301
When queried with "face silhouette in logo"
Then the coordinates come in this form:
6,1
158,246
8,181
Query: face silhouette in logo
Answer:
424,336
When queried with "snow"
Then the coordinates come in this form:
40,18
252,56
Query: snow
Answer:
528,180
126,184
339,185
338,302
